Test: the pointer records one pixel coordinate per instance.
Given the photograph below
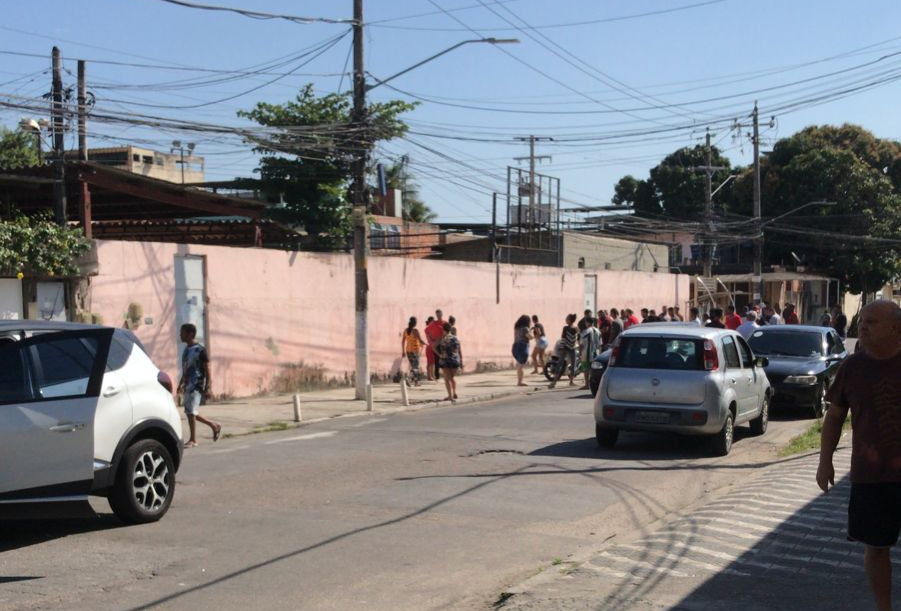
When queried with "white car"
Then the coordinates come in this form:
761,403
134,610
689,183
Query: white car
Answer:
85,412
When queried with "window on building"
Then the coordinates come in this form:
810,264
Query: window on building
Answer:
148,159
135,157
581,263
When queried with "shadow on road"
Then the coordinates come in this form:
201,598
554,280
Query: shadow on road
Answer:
637,446
23,533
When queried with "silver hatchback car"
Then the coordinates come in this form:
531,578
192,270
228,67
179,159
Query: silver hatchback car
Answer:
682,378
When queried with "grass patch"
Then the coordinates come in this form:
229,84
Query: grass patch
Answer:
809,439
271,427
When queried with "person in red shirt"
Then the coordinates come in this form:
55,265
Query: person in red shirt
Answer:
732,321
434,331
868,385
790,316
629,318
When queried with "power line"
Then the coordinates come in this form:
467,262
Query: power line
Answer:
258,14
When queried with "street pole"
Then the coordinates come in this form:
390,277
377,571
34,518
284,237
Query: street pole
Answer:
84,212
709,236
757,273
59,168
360,227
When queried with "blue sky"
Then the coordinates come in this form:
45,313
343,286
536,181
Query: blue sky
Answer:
617,85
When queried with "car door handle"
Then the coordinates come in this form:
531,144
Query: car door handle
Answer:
110,391
67,427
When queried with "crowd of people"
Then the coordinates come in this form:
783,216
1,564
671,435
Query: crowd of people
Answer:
580,340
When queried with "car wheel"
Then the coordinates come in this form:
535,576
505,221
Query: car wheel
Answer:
759,424
145,483
606,436
594,382
722,442
820,406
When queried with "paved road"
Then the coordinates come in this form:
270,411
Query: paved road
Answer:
438,509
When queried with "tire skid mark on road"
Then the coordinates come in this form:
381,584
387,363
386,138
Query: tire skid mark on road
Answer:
766,526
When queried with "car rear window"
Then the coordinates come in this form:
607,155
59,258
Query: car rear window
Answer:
781,343
119,350
660,353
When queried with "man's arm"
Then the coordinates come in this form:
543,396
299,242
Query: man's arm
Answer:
207,380
832,433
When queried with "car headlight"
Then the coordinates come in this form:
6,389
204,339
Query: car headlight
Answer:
801,380
597,365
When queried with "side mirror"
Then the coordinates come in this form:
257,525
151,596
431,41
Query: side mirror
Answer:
761,361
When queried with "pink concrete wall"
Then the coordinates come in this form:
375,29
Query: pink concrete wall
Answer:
268,308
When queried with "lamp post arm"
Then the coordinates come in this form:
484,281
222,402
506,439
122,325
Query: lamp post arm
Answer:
808,204
493,41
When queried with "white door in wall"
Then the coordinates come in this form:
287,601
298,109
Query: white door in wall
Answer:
591,292
10,299
51,300
190,297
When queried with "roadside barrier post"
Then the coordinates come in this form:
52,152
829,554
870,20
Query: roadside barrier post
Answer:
403,392
369,397
297,415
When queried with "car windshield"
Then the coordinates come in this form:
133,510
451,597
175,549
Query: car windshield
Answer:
787,344
660,353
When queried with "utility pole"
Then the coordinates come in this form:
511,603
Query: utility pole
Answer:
709,241
84,193
58,116
532,159
757,272
360,228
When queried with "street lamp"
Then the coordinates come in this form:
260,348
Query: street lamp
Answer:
176,146
35,127
490,41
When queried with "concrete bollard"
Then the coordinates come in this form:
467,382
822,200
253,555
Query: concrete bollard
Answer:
297,415
369,397
403,392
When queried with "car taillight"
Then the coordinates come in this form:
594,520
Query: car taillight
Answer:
711,358
614,354
164,380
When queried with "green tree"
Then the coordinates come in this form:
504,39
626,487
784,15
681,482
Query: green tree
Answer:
17,149
37,245
306,158
859,238
398,177
675,189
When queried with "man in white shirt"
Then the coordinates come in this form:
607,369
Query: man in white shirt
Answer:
772,317
750,325
695,316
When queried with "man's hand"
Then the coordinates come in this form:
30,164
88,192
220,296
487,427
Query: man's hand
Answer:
825,474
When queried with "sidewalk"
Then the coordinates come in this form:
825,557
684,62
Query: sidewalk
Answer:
274,412
772,542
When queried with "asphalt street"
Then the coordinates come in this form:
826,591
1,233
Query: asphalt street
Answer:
444,508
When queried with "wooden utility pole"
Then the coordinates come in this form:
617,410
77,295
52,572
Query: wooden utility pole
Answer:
360,227
84,193
532,190
58,116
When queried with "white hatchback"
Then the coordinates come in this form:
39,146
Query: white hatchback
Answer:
85,412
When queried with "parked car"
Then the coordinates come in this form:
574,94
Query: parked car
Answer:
803,361
598,366
85,412
683,379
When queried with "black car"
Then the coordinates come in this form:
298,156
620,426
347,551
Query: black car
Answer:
803,361
598,367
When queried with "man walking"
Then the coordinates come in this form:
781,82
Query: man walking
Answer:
869,385
434,331
195,383
616,326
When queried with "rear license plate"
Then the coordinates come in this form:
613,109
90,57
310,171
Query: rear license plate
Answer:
652,417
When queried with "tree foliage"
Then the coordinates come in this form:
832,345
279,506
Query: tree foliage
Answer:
37,245
306,160
858,239
675,188
17,149
398,177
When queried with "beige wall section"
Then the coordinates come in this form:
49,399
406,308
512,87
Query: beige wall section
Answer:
271,308
623,255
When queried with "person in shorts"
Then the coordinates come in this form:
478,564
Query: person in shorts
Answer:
541,345
194,385
520,350
868,384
